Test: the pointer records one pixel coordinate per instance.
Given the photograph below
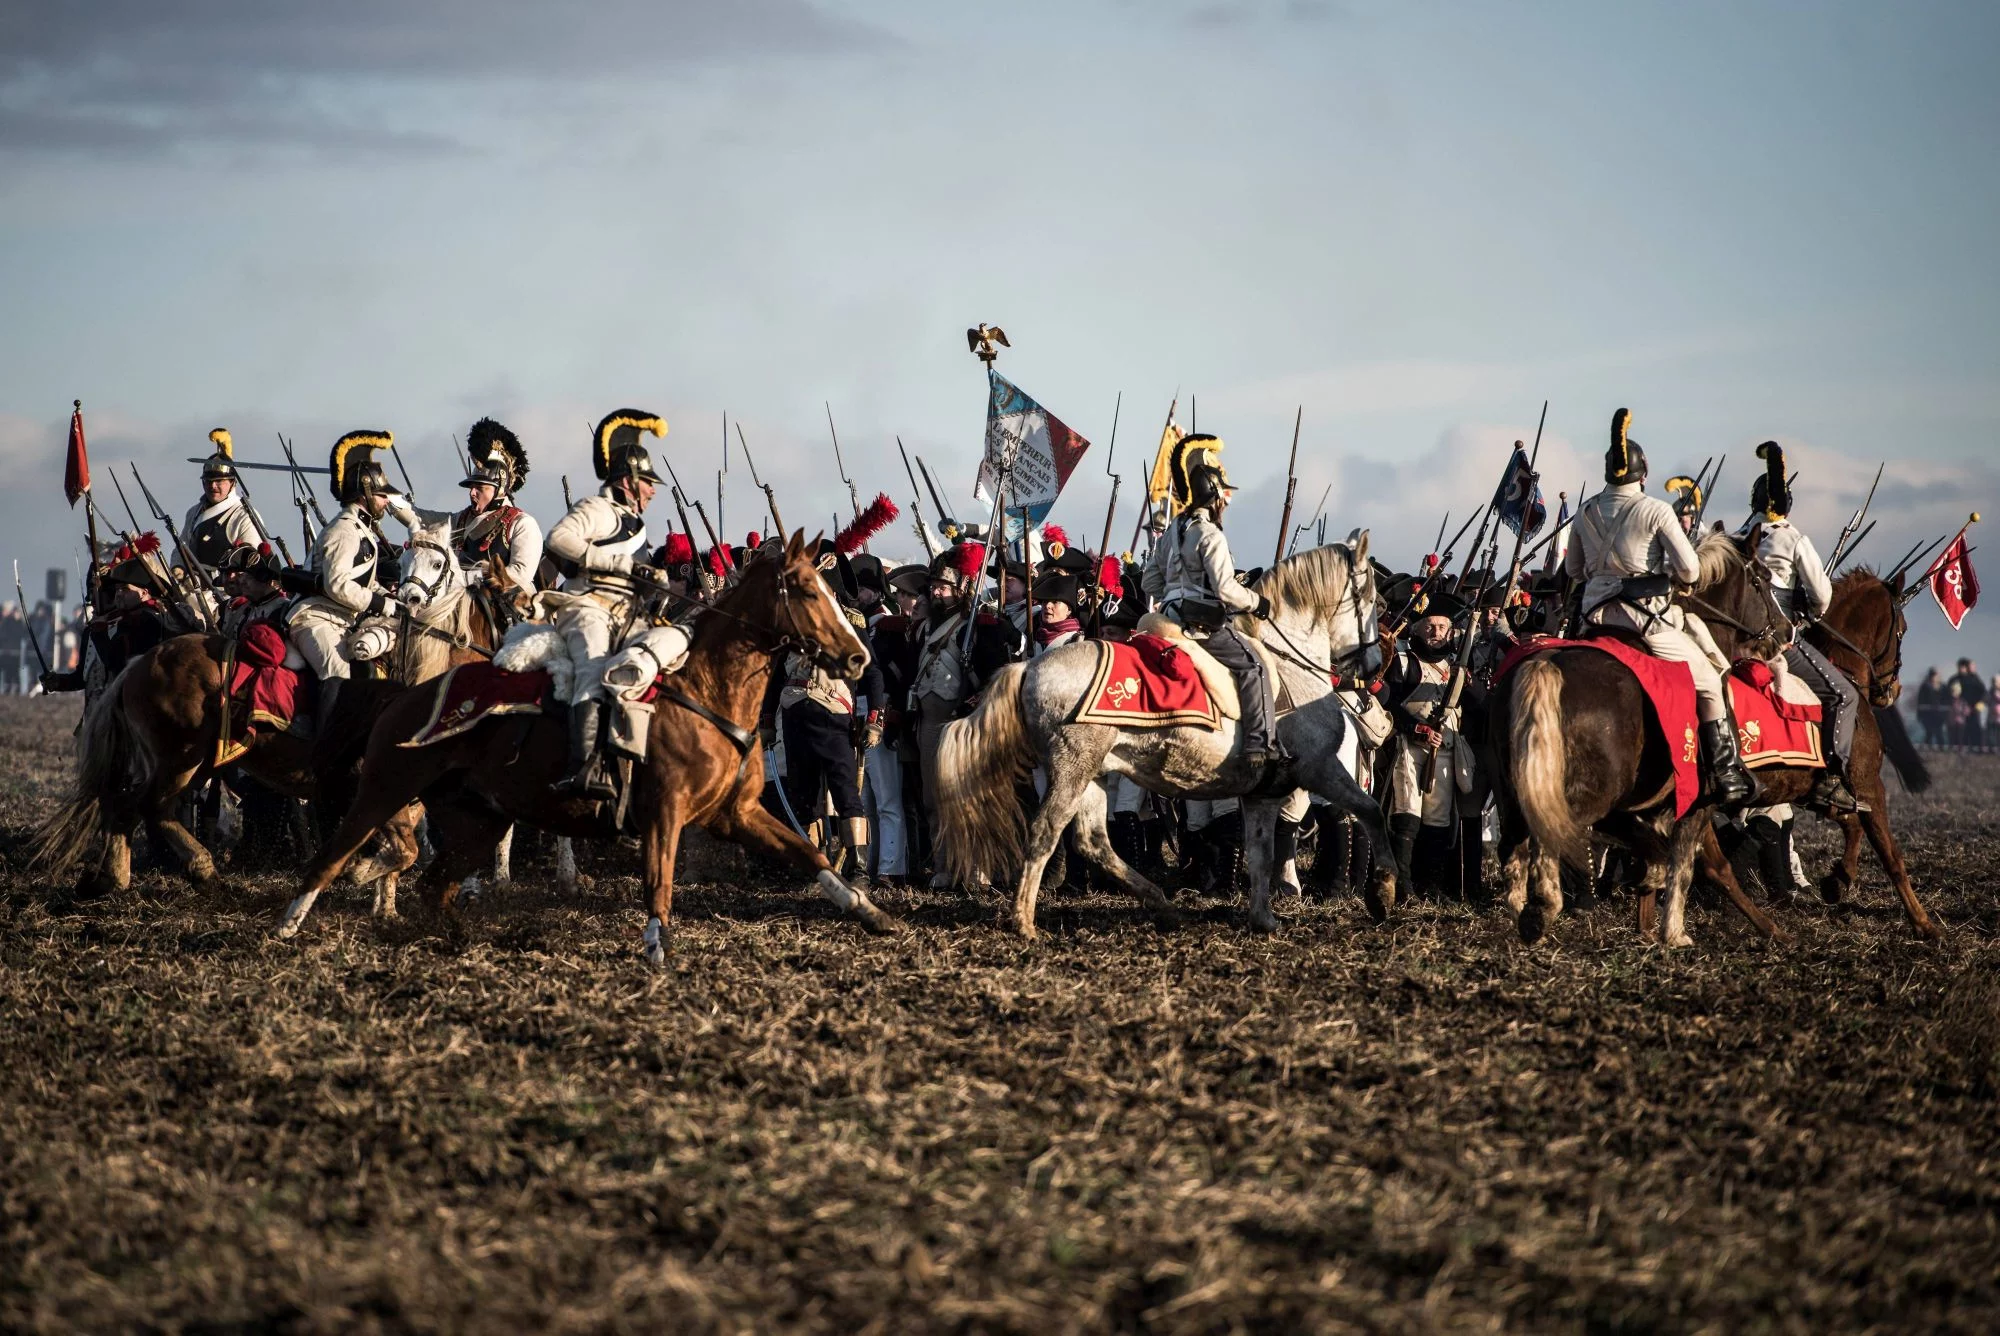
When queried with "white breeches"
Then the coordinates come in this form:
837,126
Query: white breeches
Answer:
318,643
1125,796
884,796
1677,638
1437,805
586,630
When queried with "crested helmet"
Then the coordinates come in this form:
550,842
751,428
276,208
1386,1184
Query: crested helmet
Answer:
356,473
495,458
1771,493
221,464
1625,461
616,450
1197,473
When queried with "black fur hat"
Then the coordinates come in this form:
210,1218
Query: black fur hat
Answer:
496,457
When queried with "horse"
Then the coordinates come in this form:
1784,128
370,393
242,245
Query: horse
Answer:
1861,633
1574,751
1323,620
703,765
156,731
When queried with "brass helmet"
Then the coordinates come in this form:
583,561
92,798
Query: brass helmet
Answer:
495,457
1771,493
221,464
1686,494
616,451
356,472
1625,461
1197,473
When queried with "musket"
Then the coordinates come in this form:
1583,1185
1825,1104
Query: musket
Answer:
1417,588
681,505
944,513
1840,544
1848,551
1427,771
188,559
305,488
770,497
853,495
33,639
917,504
1291,491
133,532
1110,510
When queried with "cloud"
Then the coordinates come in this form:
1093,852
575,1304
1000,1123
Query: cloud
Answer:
142,79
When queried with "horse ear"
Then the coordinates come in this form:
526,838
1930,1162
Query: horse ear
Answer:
1360,540
794,543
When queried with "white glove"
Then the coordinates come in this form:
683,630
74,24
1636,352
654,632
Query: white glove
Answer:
400,507
390,608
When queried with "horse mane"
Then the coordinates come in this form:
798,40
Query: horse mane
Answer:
1720,556
1856,578
1311,581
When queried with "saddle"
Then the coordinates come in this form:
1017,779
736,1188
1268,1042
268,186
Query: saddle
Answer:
1221,683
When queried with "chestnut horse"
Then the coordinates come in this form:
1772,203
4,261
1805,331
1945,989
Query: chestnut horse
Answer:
1862,635
703,763
155,730
1577,752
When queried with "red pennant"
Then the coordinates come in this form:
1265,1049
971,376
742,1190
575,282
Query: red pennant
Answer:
1953,583
76,473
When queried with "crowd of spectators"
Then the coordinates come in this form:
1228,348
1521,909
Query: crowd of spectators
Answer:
1959,711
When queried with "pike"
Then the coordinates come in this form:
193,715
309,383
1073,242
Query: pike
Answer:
853,495
33,639
917,503
1841,544
1285,536
770,497
188,559
1110,510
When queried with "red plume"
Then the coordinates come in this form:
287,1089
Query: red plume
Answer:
1052,533
753,540
679,549
1110,575
866,525
717,564
968,559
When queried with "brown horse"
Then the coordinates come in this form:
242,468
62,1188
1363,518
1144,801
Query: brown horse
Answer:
1862,635
155,732
1576,752
703,764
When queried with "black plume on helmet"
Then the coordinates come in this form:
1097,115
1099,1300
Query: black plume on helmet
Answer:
1625,461
1771,493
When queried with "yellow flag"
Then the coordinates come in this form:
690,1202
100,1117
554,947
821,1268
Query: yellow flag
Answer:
1160,487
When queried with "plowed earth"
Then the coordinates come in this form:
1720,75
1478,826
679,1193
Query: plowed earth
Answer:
512,1124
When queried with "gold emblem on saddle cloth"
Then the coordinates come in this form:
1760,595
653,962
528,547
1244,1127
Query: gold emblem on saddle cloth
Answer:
1122,691
1690,747
1750,737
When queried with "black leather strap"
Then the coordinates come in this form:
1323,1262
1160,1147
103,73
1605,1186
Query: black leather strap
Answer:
742,737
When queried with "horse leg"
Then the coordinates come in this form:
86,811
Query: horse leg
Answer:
1679,870
1876,822
379,800
1833,887
164,822
1093,841
566,876
503,859
395,852
1343,793
463,833
749,825
1716,866
662,841
1071,769
1260,829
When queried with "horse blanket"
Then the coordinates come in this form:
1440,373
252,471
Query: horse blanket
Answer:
263,693
471,693
1146,682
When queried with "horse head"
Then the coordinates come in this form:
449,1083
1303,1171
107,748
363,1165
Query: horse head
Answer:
1324,599
432,576
1733,598
1865,617
787,594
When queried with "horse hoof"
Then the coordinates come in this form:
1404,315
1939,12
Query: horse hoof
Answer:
1679,942
1379,897
656,955
876,919
1264,923
1532,924
1025,929
1832,888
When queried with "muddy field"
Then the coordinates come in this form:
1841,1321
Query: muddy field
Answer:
796,1127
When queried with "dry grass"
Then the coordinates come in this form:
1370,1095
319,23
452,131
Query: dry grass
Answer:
796,1127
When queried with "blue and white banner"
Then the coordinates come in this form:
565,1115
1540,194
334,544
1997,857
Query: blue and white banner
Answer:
1031,445
1519,499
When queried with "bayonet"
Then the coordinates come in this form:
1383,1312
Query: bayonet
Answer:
1325,492
305,488
681,503
1848,551
134,531
944,512
917,502
1110,510
853,495
189,561
770,496
1840,545
1285,535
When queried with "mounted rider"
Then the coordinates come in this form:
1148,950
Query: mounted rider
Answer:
491,524
221,520
1630,552
346,559
1802,588
1193,581
596,545
1687,503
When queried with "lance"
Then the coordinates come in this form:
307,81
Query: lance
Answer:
917,504
853,495
937,501
1840,544
33,639
770,496
1291,491
1110,510
1848,551
188,559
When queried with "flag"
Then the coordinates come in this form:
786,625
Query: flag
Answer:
1555,546
1031,444
1953,583
1519,498
76,473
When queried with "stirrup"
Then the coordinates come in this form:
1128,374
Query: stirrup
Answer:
1830,793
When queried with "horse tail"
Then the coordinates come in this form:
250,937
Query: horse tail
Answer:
1902,753
108,757
981,761
1538,765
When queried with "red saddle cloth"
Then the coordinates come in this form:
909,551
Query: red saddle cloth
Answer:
1770,731
1146,682
263,693
473,692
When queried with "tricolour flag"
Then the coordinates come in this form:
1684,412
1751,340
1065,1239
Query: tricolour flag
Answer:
1953,583
1519,498
76,473
1029,443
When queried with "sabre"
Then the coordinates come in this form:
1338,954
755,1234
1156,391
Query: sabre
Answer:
770,497
1840,545
133,532
464,461
853,495
305,488
702,571
268,468
1291,490
917,502
1435,542
1709,490
33,639
1110,510
568,504
409,487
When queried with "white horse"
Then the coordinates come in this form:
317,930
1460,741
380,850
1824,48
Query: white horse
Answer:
1323,621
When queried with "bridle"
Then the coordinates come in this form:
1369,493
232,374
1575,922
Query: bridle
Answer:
782,641
1298,658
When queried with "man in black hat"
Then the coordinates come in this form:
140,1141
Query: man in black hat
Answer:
251,575
221,520
1426,824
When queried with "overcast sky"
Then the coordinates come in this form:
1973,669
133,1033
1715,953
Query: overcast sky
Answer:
1418,221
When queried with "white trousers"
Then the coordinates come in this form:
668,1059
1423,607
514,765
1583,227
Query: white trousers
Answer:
586,629
318,643
1677,638
883,770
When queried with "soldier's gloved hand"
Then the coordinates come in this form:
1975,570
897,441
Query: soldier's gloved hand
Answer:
387,607
399,506
769,737
1263,608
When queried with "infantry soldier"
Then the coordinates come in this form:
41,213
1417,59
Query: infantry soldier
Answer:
345,559
1425,822
941,681
1191,577
1799,582
491,524
596,545
221,520
1630,550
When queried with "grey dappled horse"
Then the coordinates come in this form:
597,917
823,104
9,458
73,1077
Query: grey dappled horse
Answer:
1323,619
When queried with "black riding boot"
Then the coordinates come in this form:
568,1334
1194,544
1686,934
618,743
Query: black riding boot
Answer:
1729,784
329,692
1403,839
1774,862
582,750
1125,836
1472,862
1330,861
1284,848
